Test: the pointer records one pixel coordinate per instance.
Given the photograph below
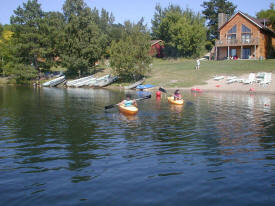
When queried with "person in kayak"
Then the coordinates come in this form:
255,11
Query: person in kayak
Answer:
177,95
128,102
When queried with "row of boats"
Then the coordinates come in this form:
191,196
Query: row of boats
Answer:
89,81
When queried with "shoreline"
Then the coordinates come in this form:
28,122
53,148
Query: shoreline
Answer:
211,86
222,86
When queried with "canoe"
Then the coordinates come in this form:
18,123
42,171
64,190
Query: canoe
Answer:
86,82
77,81
54,82
128,110
104,81
146,86
172,101
132,86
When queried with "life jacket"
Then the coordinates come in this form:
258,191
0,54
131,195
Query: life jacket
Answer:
128,103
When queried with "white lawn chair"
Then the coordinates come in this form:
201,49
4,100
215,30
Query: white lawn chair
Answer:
251,79
267,79
231,79
240,80
218,78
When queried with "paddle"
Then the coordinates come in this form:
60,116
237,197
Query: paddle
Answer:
113,105
162,90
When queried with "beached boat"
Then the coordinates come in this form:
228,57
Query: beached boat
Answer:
132,110
132,86
76,81
145,86
104,81
87,82
54,82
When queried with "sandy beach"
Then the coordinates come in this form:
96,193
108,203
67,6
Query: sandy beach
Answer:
222,86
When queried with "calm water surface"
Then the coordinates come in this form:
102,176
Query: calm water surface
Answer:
59,147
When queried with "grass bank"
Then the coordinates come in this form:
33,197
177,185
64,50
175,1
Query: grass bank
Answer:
182,73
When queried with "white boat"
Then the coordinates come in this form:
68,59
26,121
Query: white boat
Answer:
54,82
87,82
76,81
104,81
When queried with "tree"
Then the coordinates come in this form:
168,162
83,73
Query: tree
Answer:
211,10
268,14
183,31
130,55
83,42
26,40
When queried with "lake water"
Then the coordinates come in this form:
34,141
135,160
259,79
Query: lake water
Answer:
59,147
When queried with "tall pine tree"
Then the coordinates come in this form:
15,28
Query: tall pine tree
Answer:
83,41
211,9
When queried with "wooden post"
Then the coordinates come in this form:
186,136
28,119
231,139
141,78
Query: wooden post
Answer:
216,57
228,53
255,51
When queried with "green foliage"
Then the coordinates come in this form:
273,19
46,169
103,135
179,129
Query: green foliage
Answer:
20,72
211,10
27,36
183,31
83,42
268,14
130,55
5,47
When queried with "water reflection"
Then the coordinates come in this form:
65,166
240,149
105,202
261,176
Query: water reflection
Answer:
55,140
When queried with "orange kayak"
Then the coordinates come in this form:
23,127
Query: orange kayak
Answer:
128,110
172,101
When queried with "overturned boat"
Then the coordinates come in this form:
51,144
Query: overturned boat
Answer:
79,82
104,81
132,86
54,82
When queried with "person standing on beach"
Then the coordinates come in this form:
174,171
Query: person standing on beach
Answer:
198,64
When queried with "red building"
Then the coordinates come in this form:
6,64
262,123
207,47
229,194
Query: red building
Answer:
157,47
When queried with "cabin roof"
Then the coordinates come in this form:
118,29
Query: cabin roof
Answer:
258,22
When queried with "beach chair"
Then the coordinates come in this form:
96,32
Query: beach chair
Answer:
218,78
251,79
267,79
231,79
240,80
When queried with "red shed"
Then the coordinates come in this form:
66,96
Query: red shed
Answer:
157,47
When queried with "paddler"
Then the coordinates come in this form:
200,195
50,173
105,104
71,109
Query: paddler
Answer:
128,102
177,95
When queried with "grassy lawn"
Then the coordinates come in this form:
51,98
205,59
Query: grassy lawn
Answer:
182,73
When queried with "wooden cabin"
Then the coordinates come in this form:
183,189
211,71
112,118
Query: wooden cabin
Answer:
157,47
244,37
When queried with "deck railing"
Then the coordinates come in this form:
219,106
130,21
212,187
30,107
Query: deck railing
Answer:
237,42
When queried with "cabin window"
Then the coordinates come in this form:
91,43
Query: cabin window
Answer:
233,30
232,33
246,34
245,29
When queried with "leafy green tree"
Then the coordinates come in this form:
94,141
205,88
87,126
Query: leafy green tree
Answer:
268,14
183,31
130,58
211,9
83,41
52,33
5,47
26,40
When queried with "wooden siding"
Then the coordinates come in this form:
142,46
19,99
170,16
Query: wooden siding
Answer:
261,39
